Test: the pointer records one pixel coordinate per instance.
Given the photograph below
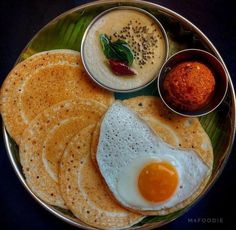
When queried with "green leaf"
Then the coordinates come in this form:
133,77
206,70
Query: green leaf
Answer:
105,45
125,52
120,42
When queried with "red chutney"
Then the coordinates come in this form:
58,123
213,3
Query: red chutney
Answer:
189,86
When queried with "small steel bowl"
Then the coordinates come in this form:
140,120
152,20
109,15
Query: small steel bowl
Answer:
93,76
221,79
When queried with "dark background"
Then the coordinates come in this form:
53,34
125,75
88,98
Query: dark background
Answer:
20,20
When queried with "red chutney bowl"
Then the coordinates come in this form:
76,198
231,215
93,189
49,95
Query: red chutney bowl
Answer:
211,84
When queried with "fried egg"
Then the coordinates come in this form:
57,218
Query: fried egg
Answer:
142,171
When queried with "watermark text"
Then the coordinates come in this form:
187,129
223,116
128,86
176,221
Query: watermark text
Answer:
206,220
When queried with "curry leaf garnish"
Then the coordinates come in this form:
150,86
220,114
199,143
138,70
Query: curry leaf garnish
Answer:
118,50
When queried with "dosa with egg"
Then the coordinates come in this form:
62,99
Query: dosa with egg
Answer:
177,131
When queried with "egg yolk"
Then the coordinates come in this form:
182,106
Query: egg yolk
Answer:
158,181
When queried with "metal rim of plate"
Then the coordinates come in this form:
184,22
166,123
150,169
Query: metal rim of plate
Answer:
72,221
103,14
